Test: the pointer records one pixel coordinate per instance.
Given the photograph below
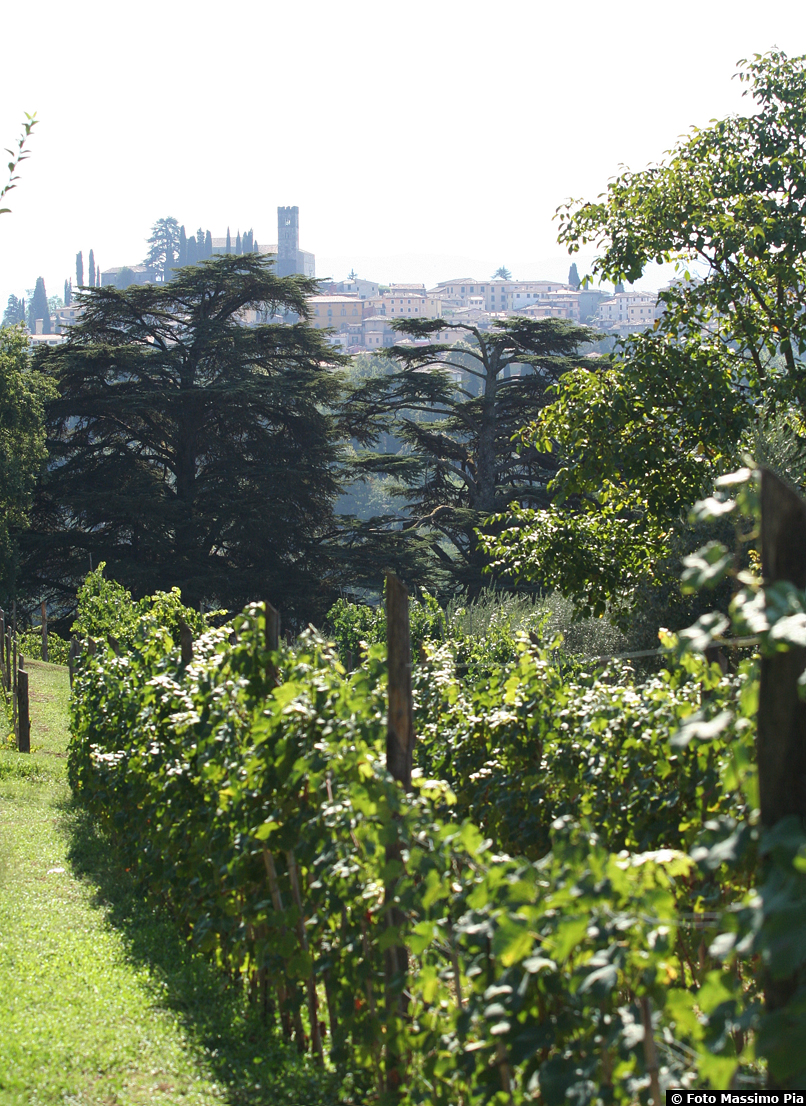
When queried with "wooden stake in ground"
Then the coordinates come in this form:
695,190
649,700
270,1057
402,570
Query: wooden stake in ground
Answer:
24,719
399,752
272,638
44,609
781,740
400,728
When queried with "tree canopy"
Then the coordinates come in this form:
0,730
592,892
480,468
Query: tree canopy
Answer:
457,408
643,436
188,448
163,247
23,394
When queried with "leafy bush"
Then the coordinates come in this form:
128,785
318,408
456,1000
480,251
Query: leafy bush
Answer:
106,608
30,645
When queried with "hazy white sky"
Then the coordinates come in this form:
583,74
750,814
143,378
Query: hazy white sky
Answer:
420,141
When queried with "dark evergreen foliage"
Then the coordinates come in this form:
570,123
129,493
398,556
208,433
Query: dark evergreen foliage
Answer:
457,409
14,312
189,449
191,256
200,244
229,242
163,246
238,243
208,245
92,270
573,275
39,307
182,249
80,269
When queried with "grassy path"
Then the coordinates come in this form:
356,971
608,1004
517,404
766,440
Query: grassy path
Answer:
101,1002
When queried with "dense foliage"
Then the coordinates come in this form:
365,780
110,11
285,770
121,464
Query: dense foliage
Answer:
456,409
23,395
186,448
640,437
578,857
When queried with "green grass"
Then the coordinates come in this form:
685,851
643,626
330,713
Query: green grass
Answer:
102,1003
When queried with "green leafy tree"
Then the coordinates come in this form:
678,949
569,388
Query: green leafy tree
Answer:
189,449
643,437
80,269
23,394
17,154
457,411
163,245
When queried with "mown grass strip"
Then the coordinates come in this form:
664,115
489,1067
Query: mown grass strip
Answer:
101,1000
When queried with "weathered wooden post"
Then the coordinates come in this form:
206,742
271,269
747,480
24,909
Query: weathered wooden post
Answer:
781,740
272,638
399,753
24,717
14,695
400,726
185,642
72,657
44,609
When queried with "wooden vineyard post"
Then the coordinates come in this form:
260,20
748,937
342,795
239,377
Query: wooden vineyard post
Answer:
400,727
3,677
399,753
781,740
13,671
185,642
272,638
24,718
72,657
44,609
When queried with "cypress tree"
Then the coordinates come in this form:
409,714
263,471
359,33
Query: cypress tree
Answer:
238,243
80,269
229,243
208,244
66,295
192,252
97,275
183,247
39,307
573,276
200,243
92,270
256,248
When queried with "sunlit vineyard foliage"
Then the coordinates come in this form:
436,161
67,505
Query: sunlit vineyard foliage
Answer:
579,854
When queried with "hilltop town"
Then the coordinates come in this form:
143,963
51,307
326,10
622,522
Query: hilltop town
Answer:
356,312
